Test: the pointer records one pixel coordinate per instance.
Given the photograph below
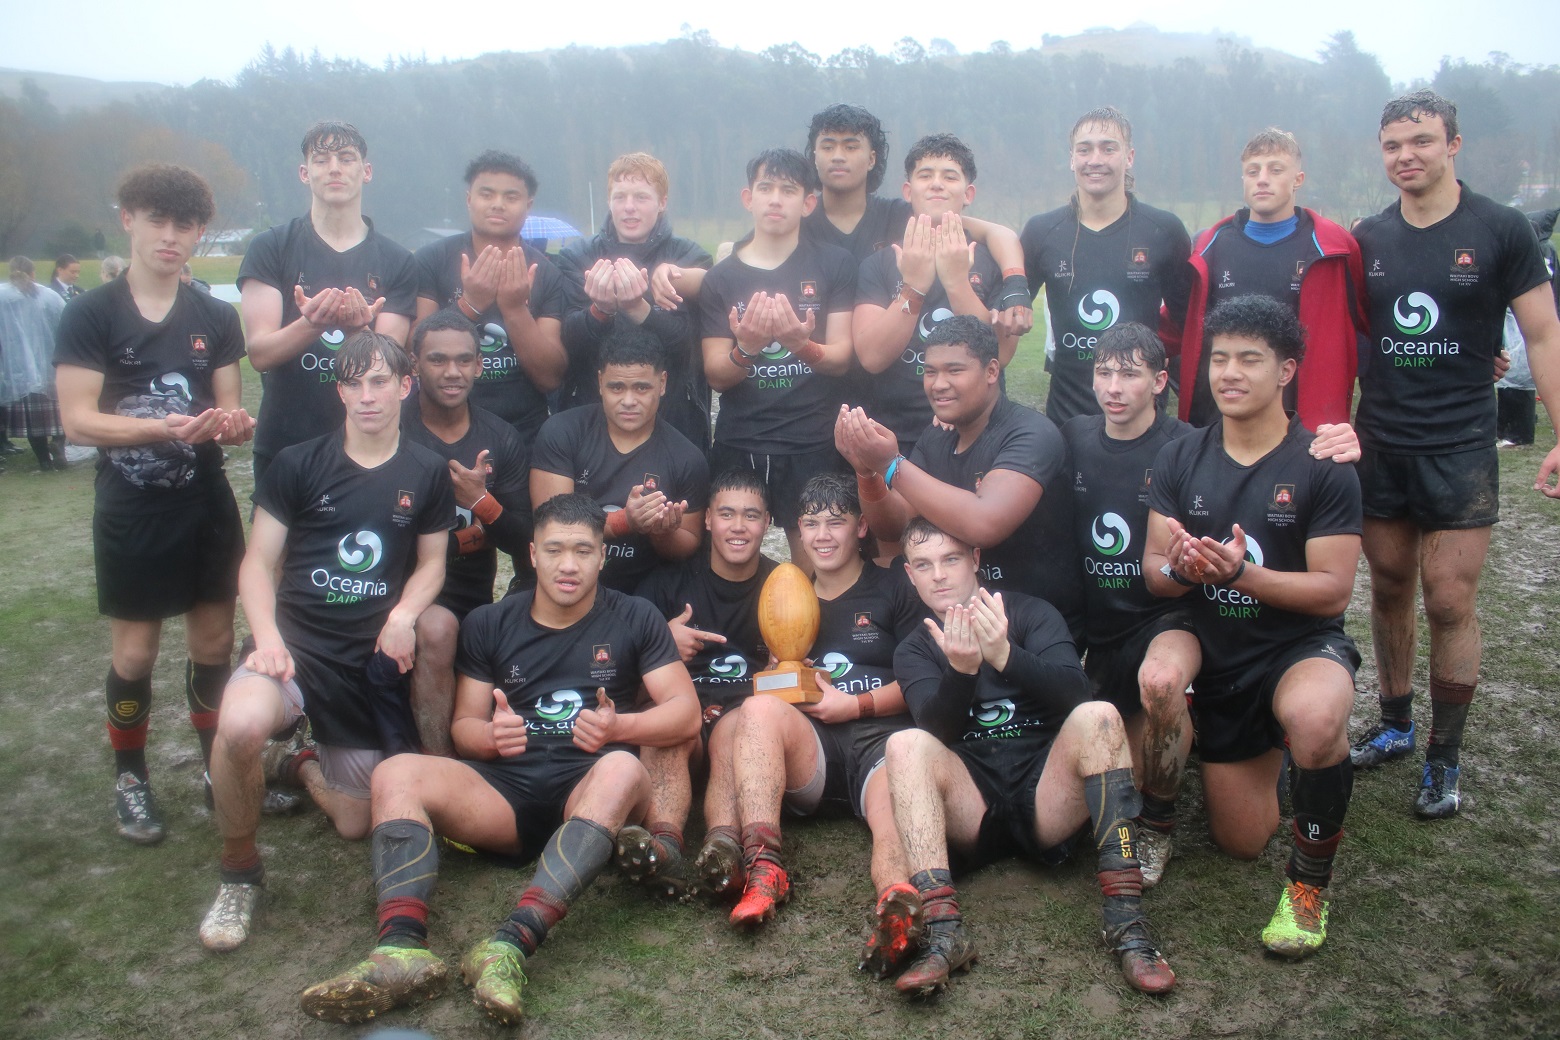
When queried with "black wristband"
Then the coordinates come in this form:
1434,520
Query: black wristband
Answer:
1175,576
1015,293
1234,577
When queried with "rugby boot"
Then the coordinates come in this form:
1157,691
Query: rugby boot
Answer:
1381,743
1299,925
946,948
1154,848
140,821
1439,794
495,970
896,931
226,925
274,803
1142,965
387,978
767,887
719,871
646,859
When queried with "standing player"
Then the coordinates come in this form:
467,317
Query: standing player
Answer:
310,283
1442,264
346,553
934,273
985,474
490,474
547,769
775,320
611,273
514,294
1007,759
1265,538
1103,258
651,480
710,603
147,370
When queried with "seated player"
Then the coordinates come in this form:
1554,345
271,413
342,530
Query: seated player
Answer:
1265,539
824,757
775,320
982,474
346,553
1009,759
649,478
490,474
710,603
903,293
547,769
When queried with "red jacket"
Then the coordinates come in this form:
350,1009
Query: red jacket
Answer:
1331,324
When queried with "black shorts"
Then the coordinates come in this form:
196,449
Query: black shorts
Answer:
162,565
1232,715
783,475
1006,772
851,751
1437,492
1113,669
537,786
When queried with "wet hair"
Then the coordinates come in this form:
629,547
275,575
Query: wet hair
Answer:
447,319
331,135
784,164
570,508
22,265
111,267
920,530
1417,104
1110,115
850,119
832,493
938,146
179,194
630,344
1272,141
1124,343
1258,317
357,355
492,161
64,260
642,165
740,478
967,331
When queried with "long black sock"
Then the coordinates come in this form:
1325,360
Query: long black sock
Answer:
203,686
1449,704
40,447
129,709
1114,805
575,854
1398,712
1321,800
1158,813
406,865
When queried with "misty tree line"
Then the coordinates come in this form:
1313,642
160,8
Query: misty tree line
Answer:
705,110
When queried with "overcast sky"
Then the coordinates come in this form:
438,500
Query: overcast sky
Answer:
165,42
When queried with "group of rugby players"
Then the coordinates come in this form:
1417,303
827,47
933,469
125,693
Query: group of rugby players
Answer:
1014,606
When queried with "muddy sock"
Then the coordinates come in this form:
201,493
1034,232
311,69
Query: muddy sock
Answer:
203,686
1321,800
670,837
576,853
1398,712
406,865
723,831
1449,703
1158,813
1114,805
760,841
939,900
129,710
243,870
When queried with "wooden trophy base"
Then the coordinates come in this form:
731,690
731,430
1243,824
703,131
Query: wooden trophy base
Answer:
791,681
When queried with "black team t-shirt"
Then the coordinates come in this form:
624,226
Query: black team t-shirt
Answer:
1041,686
577,444
1437,299
468,579
882,223
299,399
168,363
503,388
1111,479
1238,265
1097,279
897,396
1034,559
722,672
782,406
1280,501
351,544
550,675
859,629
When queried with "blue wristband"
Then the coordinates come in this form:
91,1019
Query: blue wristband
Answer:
888,474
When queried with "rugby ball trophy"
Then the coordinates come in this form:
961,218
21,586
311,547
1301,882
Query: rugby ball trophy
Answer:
788,618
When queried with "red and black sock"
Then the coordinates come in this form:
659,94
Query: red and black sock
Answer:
1398,712
1449,704
406,865
939,899
203,686
1158,813
670,837
243,870
129,711
760,841
1321,800
574,855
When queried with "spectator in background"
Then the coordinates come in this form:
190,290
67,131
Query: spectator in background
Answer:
187,276
1515,393
111,267
29,317
66,270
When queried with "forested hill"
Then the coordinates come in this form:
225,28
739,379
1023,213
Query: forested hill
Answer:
705,109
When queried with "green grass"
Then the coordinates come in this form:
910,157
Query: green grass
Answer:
1437,931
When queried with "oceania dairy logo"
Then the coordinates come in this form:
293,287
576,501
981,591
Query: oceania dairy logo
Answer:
934,319
992,714
1102,314
333,338
172,384
1253,551
836,664
560,705
360,551
1111,534
774,352
1420,317
493,338
732,666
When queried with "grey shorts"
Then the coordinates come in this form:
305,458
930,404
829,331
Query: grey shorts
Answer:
346,769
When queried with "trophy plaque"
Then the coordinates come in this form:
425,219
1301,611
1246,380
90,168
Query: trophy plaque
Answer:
788,618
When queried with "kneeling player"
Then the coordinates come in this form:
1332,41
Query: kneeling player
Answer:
543,773
1266,539
1028,762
